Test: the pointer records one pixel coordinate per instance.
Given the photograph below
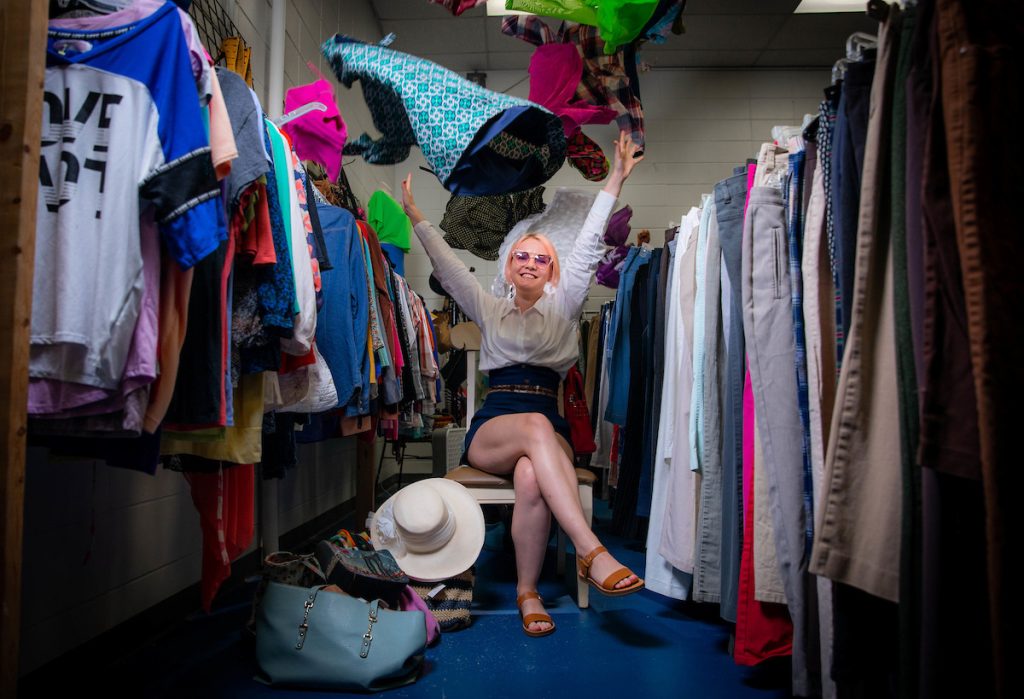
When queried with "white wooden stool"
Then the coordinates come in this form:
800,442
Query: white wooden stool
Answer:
489,489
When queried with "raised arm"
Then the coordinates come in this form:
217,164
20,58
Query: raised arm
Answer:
578,270
452,272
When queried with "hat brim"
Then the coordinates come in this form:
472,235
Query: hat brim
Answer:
461,551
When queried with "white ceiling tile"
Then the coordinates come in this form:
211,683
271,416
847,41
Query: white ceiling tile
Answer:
820,31
728,32
739,7
800,57
702,59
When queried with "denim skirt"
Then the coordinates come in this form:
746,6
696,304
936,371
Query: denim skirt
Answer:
509,403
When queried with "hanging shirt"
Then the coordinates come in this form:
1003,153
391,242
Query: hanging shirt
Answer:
544,335
124,95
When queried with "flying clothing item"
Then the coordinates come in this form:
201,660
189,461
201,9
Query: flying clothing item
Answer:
476,141
457,7
479,224
619,21
607,80
587,157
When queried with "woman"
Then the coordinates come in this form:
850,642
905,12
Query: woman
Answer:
529,342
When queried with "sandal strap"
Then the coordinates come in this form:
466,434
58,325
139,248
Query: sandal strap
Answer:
586,561
529,594
532,618
615,577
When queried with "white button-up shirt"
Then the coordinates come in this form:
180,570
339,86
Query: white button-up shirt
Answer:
544,335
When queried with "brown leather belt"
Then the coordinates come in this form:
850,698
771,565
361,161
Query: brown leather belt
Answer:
523,388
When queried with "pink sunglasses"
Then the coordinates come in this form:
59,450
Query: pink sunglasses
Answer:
522,257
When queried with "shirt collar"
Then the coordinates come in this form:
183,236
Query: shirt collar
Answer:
540,306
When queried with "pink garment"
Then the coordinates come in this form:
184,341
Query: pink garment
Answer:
457,7
409,601
317,136
555,71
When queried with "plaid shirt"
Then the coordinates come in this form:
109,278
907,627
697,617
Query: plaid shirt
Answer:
605,81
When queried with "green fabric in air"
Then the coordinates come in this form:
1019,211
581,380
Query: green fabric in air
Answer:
619,22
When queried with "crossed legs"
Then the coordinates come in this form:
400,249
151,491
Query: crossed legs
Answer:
540,460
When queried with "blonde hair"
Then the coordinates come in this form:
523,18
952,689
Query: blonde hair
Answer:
549,248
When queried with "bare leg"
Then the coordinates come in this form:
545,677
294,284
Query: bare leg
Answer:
531,525
502,441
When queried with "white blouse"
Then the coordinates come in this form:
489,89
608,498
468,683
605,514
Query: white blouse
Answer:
547,333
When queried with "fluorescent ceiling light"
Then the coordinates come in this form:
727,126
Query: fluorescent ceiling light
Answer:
496,8
823,6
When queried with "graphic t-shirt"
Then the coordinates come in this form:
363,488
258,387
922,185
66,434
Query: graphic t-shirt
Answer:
122,130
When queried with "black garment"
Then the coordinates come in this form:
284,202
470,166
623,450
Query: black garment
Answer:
200,383
851,132
279,451
866,648
651,352
319,244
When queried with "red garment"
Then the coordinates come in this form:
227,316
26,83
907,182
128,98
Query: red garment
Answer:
763,629
291,362
225,502
256,240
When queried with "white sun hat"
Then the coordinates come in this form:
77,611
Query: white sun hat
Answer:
434,528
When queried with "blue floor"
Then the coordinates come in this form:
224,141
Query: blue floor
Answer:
642,645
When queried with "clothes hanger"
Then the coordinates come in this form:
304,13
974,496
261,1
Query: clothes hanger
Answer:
839,70
857,43
99,7
301,111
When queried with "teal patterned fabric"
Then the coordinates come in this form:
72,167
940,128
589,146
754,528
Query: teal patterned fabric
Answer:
454,121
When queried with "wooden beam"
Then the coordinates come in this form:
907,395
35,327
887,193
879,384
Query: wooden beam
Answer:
22,65
365,479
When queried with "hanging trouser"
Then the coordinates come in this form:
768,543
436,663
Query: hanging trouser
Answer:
768,326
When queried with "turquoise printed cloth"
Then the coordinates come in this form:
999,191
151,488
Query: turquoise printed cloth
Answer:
476,141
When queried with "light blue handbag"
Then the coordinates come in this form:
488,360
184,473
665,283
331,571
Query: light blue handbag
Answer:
309,637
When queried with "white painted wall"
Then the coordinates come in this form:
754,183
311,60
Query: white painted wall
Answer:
101,544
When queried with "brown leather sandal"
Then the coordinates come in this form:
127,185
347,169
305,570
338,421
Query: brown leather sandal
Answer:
608,586
534,618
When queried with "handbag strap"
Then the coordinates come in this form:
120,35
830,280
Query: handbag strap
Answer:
364,650
304,626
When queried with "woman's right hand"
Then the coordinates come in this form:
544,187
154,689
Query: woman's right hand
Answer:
408,203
